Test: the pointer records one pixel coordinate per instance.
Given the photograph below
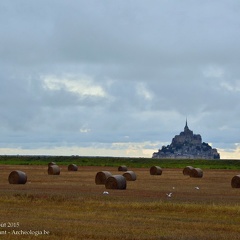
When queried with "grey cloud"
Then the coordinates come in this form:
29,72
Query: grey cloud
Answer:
97,32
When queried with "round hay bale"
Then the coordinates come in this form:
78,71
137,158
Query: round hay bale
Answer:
116,182
187,170
51,163
101,177
122,168
155,170
130,176
72,167
196,173
235,183
17,177
54,170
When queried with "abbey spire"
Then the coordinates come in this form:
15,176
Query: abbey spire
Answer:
186,127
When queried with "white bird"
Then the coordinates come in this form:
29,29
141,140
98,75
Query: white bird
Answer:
105,193
169,194
197,188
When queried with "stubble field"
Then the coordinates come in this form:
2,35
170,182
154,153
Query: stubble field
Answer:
72,206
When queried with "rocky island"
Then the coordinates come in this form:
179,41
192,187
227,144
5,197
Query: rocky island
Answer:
187,145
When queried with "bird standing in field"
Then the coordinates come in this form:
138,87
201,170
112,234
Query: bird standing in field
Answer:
169,194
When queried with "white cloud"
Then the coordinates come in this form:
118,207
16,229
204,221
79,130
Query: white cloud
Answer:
143,91
213,72
231,87
82,86
84,130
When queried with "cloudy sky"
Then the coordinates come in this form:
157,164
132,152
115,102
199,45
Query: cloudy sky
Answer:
118,77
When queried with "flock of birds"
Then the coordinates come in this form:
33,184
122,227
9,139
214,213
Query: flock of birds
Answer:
169,195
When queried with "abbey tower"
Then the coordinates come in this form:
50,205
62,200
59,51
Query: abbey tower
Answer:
187,145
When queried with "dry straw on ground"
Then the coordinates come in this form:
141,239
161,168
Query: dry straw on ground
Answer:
54,170
187,170
72,167
155,170
130,176
17,177
116,182
235,182
196,173
101,177
122,168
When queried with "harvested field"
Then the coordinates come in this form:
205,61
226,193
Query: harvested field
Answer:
215,186
72,206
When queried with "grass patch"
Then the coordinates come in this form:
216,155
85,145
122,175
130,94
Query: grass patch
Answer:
117,161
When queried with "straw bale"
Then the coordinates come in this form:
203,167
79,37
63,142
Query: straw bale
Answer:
196,173
235,182
54,170
51,163
155,170
187,170
122,168
17,177
130,176
116,182
72,167
101,177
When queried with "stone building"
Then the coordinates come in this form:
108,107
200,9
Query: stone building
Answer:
187,145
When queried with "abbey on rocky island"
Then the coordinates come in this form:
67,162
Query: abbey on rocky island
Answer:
187,145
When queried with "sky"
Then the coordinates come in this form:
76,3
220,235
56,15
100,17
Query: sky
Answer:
118,77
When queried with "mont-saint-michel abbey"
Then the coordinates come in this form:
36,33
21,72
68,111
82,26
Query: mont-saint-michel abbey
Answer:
187,145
